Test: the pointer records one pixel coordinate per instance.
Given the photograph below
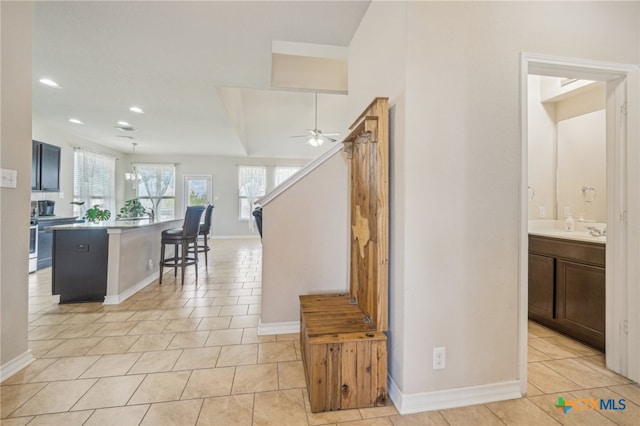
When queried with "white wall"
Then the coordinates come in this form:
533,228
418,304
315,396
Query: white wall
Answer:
305,241
224,171
461,171
15,153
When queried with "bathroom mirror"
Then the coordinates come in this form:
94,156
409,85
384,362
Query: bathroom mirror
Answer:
567,149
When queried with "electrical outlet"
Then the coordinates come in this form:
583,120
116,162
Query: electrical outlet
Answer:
439,358
541,212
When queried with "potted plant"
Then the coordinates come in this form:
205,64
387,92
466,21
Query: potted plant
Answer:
97,214
132,209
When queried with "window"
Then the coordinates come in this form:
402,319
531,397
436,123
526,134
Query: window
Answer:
197,190
157,188
93,181
251,185
283,173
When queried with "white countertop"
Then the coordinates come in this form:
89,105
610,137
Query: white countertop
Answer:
555,229
115,224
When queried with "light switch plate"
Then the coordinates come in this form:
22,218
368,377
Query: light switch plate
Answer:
9,178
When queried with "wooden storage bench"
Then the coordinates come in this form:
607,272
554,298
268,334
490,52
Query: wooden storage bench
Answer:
344,348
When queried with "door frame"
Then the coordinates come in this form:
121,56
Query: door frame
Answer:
187,178
622,324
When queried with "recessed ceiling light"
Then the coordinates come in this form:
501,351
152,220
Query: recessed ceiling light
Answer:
123,123
136,109
75,121
50,83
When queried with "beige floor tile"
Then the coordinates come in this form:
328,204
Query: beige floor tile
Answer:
183,413
12,397
598,363
46,332
39,348
428,418
109,392
250,335
196,358
183,324
276,351
287,337
630,391
116,328
179,313
80,330
155,362
17,421
29,372
160,387
205,311
579,373
238,355
67,419
255,378
55,397
189,339
521,412
472,415
209,382
548,403
291,375
532,390
111,365
234,310
115,316
551,348
214,323
113,345
537,330
48,319
149,327
225,337
152,342
627,417
329,417
387,410
66,369
239,292
279,408
229,300
255,309
228,410
118,416
244,321
548,380
534,355
83,318
150,315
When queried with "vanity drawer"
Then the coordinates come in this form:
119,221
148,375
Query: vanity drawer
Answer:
583,252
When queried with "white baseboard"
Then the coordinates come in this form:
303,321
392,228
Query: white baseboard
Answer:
119,298
235,237
18,363
452,398
267,329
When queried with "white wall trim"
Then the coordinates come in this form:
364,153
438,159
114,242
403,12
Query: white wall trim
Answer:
119,298
16,364
452,398
299,175
235,237
267,329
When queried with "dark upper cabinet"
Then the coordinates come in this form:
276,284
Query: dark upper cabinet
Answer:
45,167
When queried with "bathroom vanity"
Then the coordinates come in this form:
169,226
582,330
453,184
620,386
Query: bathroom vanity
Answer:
567,284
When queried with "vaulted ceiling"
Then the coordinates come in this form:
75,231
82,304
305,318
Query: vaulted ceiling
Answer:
201,71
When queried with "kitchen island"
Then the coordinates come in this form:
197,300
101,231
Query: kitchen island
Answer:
107,262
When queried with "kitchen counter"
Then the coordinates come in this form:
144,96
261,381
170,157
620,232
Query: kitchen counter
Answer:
108,261
55,218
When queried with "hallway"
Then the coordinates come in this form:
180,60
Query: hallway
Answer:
191,356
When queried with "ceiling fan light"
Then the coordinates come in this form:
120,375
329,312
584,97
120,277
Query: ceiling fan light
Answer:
315,141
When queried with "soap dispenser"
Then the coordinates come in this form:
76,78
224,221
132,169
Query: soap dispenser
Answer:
569,223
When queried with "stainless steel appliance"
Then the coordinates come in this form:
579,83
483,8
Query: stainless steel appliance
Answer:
46,208
33,238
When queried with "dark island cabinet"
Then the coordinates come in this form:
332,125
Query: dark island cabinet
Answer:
45,167
567,287
45,238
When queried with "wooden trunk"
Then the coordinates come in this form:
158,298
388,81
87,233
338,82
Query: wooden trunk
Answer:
344,348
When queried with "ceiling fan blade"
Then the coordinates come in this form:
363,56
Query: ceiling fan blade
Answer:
331,134
325,137
299,136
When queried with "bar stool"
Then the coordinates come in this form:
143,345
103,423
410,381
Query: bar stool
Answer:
205,228
183,237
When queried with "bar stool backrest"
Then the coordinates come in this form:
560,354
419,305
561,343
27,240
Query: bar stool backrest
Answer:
191,224
206,226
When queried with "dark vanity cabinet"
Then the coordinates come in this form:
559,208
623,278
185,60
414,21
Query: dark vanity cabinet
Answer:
45,167
567,287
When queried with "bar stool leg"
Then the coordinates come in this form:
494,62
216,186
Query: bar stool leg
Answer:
206,251
161,261
183,260
175,263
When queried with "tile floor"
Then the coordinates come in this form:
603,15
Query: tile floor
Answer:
173,355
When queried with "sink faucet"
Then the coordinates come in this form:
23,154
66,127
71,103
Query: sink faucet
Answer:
596,232
152,215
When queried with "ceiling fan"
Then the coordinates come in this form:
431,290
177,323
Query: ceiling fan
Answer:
316,137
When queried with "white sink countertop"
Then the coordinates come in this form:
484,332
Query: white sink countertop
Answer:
555,229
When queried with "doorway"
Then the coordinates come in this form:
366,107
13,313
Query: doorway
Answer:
620,355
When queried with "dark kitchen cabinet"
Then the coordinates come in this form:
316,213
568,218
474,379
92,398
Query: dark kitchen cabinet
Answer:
567,287
45,167
45,238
